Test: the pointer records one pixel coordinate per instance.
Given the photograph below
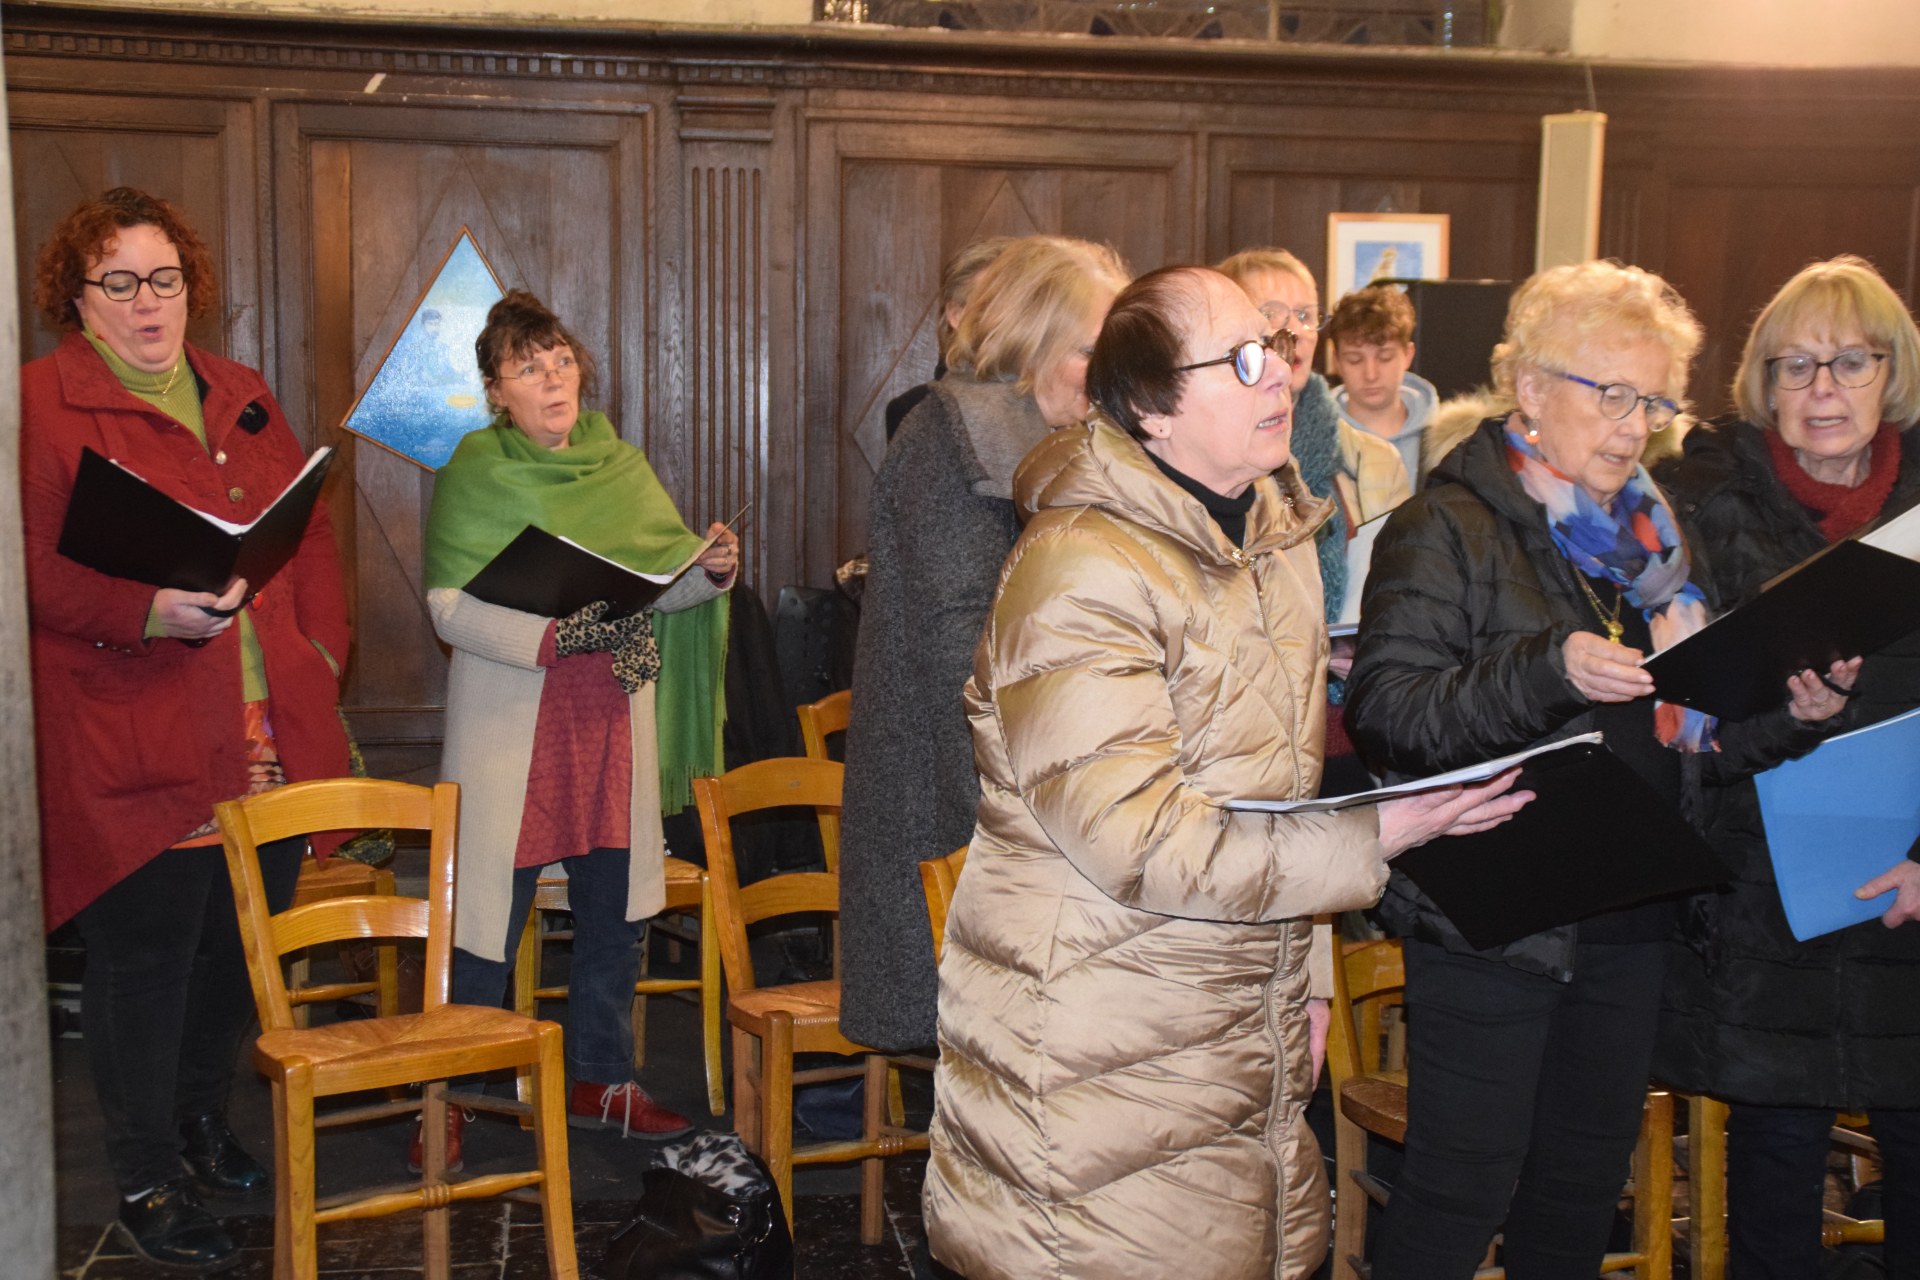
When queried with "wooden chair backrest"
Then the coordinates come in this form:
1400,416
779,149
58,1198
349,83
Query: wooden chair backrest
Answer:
337,804
1367,978
784,782
940,877
819,720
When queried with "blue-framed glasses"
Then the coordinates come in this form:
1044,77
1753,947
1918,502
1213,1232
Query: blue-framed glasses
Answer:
1617,400
1249,358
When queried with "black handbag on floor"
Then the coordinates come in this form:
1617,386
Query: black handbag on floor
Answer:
711,1213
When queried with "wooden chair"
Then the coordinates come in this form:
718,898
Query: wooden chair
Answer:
1707,1189
686,892
1371,1097
303,1065
940,877
772,1024
819,720
343,878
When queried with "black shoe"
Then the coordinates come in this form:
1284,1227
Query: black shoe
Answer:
171,1229
219,1164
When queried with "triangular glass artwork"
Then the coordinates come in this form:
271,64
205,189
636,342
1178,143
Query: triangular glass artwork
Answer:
427,393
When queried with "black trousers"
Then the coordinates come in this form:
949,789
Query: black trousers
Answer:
165,1001
1776,1178
1524,1100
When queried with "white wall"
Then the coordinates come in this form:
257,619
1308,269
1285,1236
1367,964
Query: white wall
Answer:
1764,32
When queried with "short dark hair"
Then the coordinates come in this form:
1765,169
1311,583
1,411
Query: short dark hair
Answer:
86,232
1379,313
519,325
1132,372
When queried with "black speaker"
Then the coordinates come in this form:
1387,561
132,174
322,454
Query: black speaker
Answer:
1456,326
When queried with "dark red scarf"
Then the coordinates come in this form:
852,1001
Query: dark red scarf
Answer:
1840,509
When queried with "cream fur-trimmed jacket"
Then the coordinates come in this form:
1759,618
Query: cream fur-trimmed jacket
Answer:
493,703
1123,1032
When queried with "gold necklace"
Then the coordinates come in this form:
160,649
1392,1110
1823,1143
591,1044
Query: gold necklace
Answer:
1611,621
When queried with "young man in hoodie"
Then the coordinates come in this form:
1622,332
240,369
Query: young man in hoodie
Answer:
1370,335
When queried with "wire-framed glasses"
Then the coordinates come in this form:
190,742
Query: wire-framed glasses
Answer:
1312,319
1617,400
534,375
1851,368
1249,358
123,286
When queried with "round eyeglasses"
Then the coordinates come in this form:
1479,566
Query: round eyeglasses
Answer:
1617,400
1311,319
1849,369
533,375
124,286
1249,358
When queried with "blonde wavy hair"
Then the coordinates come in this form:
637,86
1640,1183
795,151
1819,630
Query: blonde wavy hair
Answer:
1028,306
1825,300
1242,266
1562,309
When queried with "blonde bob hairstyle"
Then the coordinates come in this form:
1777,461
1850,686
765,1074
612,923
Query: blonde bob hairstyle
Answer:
1827,301
1563,309
1028,306
1243,265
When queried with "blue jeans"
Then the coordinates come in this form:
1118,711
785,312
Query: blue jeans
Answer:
1524,1101
606,964
1776,1180
166,1000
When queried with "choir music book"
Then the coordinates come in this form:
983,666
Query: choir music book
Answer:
120,525
545,574
1359,559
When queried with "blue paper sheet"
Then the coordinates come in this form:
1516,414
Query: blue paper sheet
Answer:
1840,816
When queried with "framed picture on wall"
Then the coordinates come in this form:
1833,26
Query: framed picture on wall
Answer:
1364,247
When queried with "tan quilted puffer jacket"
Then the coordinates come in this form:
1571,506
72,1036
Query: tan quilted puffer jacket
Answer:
1123,1035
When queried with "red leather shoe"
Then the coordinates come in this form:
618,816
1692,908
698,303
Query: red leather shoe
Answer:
457,1118
625,1107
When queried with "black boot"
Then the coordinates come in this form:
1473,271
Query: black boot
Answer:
219,1164
171,1229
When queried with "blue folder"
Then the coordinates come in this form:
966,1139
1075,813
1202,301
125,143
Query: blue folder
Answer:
1840,816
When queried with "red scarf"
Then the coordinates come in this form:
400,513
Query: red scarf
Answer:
1841,509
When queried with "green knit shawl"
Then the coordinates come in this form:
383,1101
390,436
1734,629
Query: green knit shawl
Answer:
599,491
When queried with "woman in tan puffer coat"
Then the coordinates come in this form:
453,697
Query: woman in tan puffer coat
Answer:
1126,1052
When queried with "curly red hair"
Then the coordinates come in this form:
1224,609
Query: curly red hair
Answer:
84,235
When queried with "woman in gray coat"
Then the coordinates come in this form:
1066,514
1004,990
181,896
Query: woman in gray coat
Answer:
942,521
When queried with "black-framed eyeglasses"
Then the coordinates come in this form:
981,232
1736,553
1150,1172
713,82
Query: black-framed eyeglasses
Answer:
1249,358
532,375
1617,400
1851,368
124,286
1312,319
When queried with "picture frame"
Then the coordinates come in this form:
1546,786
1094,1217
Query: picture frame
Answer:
1362,247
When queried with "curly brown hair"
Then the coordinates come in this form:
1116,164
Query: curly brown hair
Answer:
1378,314
519,325
86,234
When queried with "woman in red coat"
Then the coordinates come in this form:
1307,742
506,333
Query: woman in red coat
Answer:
151,705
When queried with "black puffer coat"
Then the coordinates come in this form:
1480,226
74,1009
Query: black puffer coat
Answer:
1467,605
1751,1015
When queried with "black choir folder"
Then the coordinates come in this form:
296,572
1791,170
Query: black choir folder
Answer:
120,525
1594,838
545,574
1850,599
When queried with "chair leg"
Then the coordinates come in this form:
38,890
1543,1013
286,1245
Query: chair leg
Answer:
776,1106
433,1171
1653,1189
1707,1185
747,1052
1349,1199
873,1170
550,1136
896,1101
295,1246
710,1002
637,1011
526,980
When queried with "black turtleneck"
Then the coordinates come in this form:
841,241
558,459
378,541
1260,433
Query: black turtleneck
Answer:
1229,513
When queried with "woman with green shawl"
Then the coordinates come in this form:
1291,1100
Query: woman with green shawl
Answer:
569,736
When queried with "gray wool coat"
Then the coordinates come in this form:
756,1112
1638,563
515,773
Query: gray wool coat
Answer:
942,524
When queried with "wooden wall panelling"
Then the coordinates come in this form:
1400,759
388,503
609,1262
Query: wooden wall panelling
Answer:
888,201
373,196
198,153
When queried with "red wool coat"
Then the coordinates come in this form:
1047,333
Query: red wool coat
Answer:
138,739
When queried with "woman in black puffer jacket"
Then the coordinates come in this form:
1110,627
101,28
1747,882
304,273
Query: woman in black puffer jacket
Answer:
1789,1032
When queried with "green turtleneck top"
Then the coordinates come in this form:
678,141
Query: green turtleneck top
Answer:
176,393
